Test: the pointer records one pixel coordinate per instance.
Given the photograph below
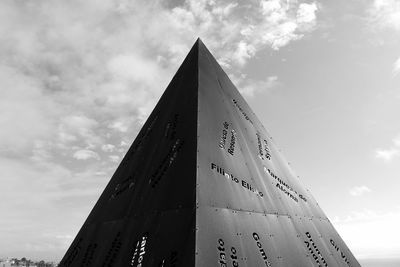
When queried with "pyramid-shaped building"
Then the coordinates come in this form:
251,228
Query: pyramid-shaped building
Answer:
204,185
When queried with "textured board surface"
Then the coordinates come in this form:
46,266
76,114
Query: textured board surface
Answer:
252,208
204,184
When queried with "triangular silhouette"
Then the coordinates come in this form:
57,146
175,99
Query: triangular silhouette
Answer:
203,184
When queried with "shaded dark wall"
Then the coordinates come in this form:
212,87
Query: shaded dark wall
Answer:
148,207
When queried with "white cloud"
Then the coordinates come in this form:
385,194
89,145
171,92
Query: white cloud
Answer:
396,67
387,154
108,148
224,11
250,87
243,52
85,154
51,53
359,190
306,13
392,152
124,144
114,158
79,124
235,38
385,14
78,127
120,125
72,70
270,6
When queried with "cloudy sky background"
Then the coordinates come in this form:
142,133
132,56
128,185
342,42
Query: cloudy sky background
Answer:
79,78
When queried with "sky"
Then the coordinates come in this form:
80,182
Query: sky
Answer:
79,78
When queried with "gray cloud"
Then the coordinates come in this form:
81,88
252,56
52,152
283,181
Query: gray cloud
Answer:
75,75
